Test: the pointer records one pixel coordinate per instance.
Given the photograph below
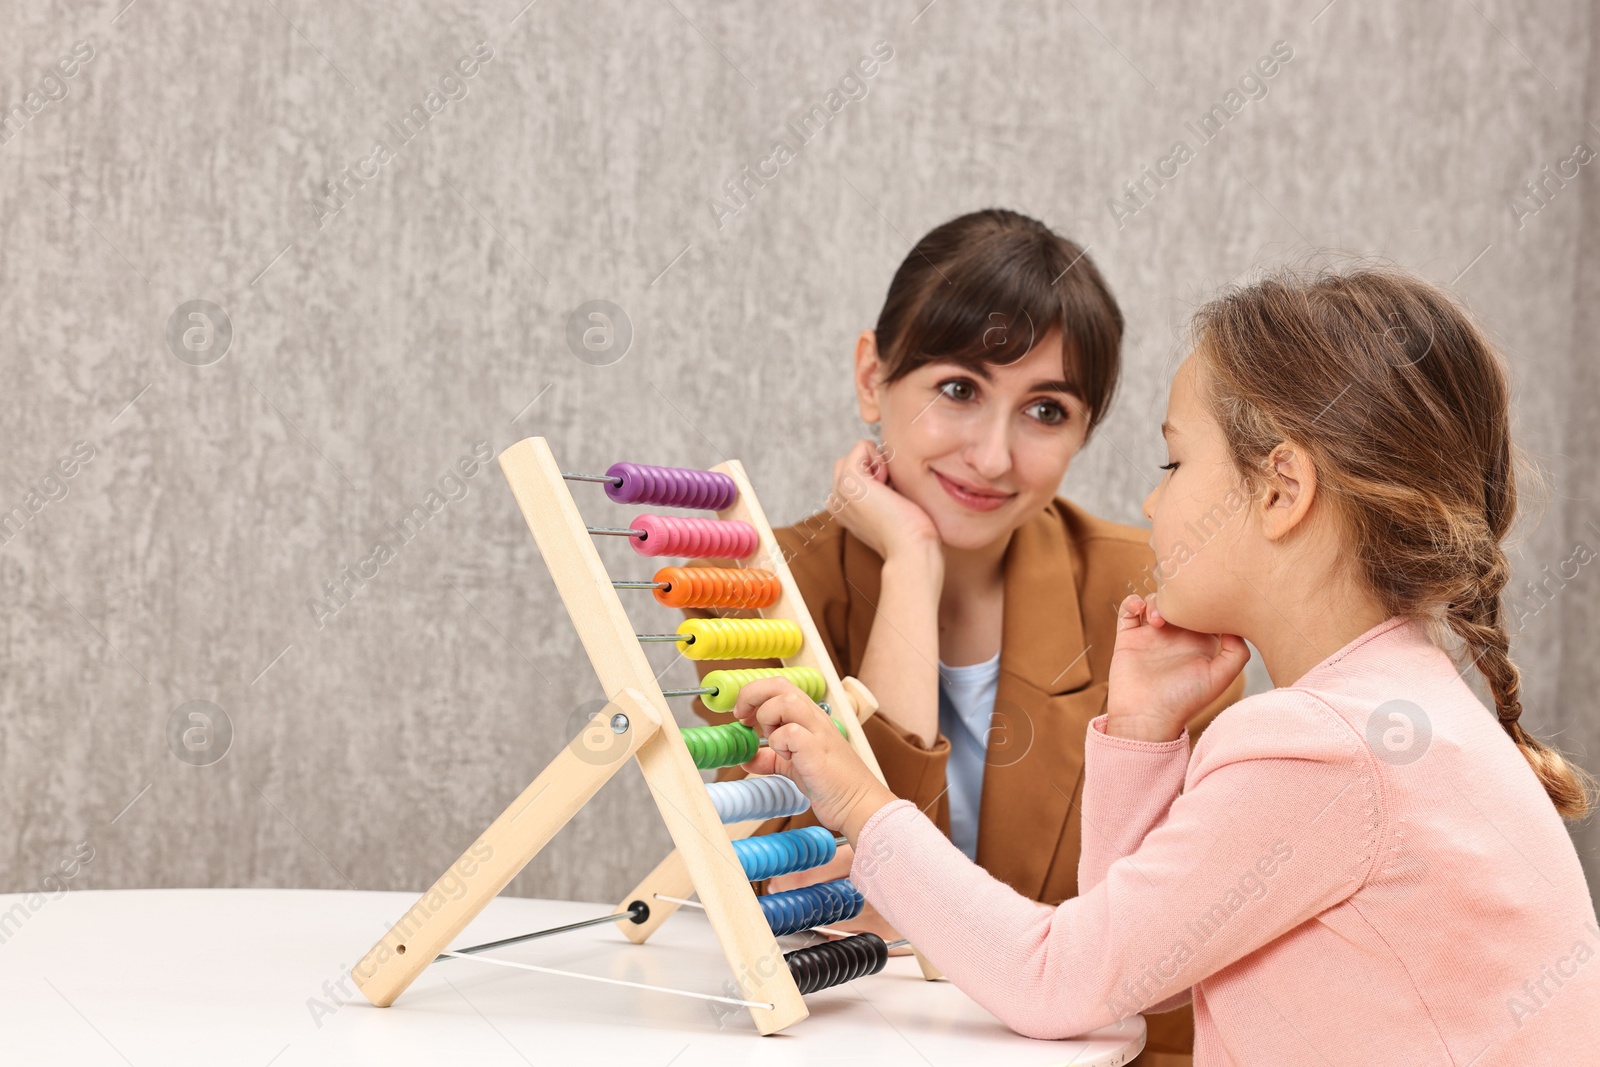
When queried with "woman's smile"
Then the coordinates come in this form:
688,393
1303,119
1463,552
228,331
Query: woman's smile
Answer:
974,497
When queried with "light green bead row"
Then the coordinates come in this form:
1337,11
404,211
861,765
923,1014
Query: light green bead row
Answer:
728,682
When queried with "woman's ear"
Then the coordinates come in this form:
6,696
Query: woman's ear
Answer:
868,368
1287,490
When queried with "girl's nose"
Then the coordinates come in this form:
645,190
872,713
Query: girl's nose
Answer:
1149,506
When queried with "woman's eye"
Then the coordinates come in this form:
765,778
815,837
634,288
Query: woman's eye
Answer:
957,389
1050,413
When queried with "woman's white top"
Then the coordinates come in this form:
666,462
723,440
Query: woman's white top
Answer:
966,704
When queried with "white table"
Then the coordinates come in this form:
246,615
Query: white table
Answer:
250,977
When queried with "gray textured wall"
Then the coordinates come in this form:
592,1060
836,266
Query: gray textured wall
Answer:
375,345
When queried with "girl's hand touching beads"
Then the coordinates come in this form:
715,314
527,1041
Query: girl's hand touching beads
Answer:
804,745
1163,675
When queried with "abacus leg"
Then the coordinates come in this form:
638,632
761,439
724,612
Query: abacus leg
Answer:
507,846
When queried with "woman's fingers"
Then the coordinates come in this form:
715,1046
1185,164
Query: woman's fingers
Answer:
877,462
858,461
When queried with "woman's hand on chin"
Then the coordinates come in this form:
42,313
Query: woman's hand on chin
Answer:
1163,675
869,507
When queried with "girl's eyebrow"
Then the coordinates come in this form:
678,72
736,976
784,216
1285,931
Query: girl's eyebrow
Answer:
1168,429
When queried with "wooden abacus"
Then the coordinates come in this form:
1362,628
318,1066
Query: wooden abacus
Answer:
716,857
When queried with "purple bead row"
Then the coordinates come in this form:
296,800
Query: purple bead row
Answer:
672,487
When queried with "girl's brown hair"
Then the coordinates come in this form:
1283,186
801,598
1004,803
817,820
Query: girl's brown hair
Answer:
1403,406
984,287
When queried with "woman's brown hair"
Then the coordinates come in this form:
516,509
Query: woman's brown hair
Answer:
1404,408
984,287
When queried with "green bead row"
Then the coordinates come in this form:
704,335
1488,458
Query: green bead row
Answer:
728,745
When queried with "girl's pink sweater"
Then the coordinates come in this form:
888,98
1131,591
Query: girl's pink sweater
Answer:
1358,868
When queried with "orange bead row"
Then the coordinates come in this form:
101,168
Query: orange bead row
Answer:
717,587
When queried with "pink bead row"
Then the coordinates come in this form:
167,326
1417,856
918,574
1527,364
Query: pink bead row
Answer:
670,535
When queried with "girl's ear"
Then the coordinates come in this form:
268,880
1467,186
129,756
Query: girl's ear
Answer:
1287,490
868,367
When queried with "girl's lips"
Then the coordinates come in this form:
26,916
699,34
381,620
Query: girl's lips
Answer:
974,501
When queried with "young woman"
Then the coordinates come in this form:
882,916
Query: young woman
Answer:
979,606
1363,865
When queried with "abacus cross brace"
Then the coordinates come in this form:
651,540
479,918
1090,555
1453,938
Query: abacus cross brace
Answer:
711,824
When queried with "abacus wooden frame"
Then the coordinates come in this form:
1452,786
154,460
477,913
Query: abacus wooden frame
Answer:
704,862
848,698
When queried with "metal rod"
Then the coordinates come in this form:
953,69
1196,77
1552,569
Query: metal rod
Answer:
610,981
902,943
619,531
687,639
712,691
609,479
637,912
641,585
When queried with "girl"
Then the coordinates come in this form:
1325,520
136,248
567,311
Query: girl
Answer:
976,604
1363,865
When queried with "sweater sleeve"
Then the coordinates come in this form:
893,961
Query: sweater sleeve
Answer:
1279,821
1129,787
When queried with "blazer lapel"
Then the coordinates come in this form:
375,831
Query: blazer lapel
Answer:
1043,705
863,577
1043,702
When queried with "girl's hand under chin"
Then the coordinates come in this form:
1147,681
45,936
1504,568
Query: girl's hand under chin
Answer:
883,519
1163,675
804,745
